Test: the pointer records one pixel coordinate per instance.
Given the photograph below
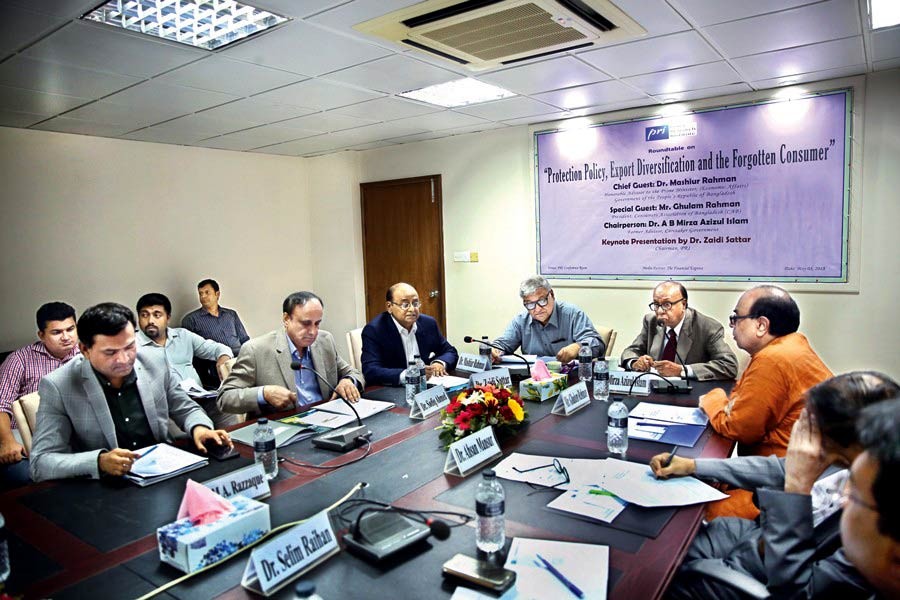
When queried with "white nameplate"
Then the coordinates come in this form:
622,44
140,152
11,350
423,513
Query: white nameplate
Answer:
277,562
249,482
496,377
472,363
429,402
620,382
572,399
471,452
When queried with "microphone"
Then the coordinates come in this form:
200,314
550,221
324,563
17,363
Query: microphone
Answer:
469,339
343,438
439,529
677,386
382,532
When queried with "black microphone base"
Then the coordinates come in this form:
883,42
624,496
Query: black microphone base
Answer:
675,386
385,533
343,438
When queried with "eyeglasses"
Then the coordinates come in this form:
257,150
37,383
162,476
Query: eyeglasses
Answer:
733,319
406,305
847,494
541,302
556,465
666,306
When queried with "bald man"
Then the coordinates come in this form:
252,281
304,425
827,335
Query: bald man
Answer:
394,337
678,341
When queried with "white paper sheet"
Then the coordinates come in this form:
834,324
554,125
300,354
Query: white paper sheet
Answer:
590,501
585,565
672,414
365,407
582,471
635,483
448,381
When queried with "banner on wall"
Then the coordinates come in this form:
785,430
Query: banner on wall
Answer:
753,192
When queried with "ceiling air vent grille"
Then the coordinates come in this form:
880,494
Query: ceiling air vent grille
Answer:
487,33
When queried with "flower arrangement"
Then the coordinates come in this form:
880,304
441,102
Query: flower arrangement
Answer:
474,409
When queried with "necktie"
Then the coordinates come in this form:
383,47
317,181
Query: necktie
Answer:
669,351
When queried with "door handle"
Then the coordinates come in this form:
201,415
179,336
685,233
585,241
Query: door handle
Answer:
434,293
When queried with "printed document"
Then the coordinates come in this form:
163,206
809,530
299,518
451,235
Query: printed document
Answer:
635,483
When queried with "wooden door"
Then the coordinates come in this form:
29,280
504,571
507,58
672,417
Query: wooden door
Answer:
403,241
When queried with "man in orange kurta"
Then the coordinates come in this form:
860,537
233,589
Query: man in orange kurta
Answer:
769,396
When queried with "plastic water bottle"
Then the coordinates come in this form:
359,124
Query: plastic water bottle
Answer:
617,428
4,553
264,448
585,357
601,380
423,379
485,351
490,504
412,382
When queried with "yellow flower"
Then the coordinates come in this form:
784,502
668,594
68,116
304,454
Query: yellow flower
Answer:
489,398
517,410
461,397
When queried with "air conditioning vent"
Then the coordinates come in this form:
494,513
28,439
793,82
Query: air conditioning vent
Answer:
487,33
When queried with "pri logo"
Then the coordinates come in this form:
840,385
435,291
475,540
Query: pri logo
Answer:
660,132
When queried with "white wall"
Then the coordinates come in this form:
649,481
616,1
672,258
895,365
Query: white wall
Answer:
87,220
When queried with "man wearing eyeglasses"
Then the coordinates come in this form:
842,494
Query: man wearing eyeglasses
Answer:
396,336
767,399
548,327
678,341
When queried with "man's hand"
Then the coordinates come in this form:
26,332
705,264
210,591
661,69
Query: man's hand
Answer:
203,434
679,467
220,366
495,355
11,452
279,397
117,461
805,459
435,369
667,368
642,363
347,390
568,353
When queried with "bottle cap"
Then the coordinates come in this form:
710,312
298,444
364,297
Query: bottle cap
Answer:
488,474
305,589
262,421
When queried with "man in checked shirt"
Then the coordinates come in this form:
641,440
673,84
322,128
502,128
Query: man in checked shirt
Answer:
21,373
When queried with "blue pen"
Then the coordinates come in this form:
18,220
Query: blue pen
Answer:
562,578
152,448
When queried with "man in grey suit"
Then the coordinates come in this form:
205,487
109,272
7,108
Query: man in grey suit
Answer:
673,333
794,550
105,404
277,371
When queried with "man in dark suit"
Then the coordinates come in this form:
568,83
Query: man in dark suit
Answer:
394,337
673,333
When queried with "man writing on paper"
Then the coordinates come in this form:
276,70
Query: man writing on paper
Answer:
794,549
180,346
393,338
20,375
673,333
262,379
105,404
548,327
768,398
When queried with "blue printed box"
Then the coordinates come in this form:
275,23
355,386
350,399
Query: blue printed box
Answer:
539,391
191,547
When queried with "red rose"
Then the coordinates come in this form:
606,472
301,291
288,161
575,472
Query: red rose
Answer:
506,413
453,407
476,409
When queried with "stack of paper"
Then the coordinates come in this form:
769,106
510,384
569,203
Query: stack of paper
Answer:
195,390
449,382
590,501
365,407
671,425
584,566
635,483
162,461
292,429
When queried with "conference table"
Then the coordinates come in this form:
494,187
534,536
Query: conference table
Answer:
97,539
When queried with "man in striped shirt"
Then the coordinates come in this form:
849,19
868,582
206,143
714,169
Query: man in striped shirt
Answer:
21,373
215,322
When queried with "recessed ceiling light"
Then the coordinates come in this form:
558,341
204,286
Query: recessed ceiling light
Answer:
884,13
460,92
207,24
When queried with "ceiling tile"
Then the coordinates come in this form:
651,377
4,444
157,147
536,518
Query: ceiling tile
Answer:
442,120
11,118
203,126
688,78
293,8
394,74
323,122
38,103
348,14
263,136
55,78
220,74
723,90
881,65
373,145
552,74
163,136
317,94
301,48
707,12
509,108
19,28
807,77
590,95
387,109
98,47
256,111
67,125
155,93
119,114
67,9
815,57
296,148
795,27
656,16
654,54
886,44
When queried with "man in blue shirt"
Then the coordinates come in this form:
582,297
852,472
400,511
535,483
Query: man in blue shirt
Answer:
548,327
